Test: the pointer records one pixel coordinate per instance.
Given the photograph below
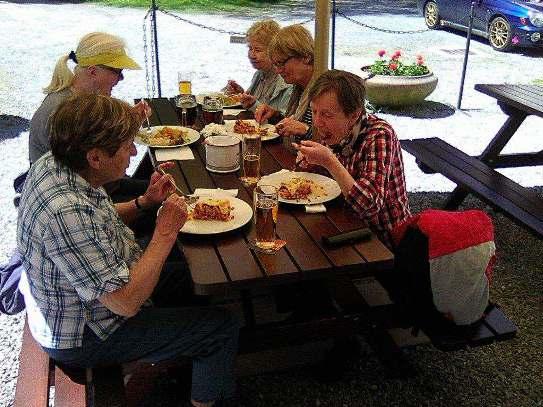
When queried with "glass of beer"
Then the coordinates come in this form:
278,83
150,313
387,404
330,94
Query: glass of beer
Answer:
187,109
265,203
250,152
185,83
212,109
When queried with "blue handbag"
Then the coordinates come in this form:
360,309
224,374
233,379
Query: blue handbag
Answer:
11,299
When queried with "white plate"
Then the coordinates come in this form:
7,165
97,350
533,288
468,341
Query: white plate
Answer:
331,187
229,126
242,213
193,136
200,99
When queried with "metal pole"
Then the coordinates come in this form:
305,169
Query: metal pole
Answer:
466,54
333,33
153,18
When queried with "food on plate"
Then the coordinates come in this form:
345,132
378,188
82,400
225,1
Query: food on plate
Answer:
166,136
229,100
264,132
213,209
213,129
245,127
300,188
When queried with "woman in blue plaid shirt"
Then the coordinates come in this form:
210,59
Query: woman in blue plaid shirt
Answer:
92,294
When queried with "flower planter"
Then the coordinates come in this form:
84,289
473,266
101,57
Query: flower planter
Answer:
398,91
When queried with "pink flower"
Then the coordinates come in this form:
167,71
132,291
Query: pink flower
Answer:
420,57
381,52
420,61
393,66
397,54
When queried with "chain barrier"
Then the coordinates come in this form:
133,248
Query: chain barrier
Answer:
149,49
220,30
149,73
378,28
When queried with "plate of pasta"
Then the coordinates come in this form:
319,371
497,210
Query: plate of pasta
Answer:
167,136
304,188
217,214
241,127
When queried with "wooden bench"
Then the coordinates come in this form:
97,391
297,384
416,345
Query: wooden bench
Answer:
39,374
470,174
494,327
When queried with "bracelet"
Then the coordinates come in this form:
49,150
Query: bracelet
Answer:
138,205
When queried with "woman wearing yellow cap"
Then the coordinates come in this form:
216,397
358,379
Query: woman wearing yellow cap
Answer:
100,59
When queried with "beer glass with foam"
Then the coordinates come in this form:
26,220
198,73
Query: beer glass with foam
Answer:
187,109
185,83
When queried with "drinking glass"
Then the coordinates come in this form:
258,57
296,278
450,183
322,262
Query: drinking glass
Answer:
185,82
265,202
250,152
212,109
187,109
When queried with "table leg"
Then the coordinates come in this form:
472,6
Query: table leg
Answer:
248,310
489,155
455,199
501,138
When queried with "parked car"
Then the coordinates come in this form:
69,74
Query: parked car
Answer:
505,23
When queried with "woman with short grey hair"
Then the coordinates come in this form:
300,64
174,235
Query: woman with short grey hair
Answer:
93,296
359,150
267,87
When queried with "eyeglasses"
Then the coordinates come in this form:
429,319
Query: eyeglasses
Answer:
281,64
116,71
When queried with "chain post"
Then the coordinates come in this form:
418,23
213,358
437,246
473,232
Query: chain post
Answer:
155,37
333,52
466,55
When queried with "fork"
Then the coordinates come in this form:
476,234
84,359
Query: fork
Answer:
149,131
190,200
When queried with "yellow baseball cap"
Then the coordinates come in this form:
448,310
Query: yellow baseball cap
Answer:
116,59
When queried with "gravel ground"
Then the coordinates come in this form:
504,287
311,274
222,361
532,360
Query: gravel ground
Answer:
510,373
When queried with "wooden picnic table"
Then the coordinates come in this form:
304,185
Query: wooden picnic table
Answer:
476,174
223,264
517,102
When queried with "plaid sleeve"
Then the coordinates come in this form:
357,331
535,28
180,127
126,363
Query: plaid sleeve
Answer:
81,248
373,163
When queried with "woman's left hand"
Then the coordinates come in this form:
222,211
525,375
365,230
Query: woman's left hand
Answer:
142,110
160,187
315,153
291,127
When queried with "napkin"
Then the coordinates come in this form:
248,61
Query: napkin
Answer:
215,192
232,112
177,153
315,208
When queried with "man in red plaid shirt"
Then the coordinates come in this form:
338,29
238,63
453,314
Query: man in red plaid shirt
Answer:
361,152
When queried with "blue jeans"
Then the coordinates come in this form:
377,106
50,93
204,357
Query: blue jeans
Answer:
209,335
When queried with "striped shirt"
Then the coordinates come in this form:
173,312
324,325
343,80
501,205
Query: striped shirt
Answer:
75,248
269,88
373,156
